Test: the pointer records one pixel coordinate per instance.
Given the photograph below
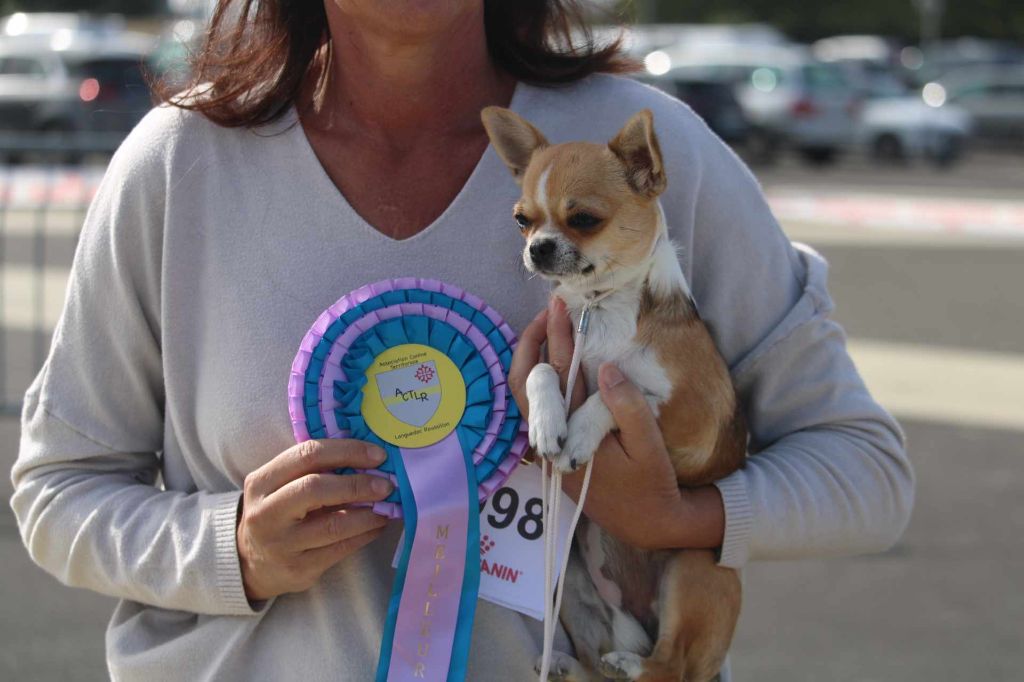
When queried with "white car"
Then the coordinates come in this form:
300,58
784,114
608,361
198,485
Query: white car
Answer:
906,127
790,99
73,82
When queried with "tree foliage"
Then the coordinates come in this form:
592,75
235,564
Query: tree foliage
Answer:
128,7
807,20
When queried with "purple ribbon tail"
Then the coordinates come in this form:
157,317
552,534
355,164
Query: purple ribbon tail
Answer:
429,609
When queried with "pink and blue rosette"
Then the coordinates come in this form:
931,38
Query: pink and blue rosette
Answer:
325,393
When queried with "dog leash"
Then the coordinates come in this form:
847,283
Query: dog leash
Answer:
551,488
551,494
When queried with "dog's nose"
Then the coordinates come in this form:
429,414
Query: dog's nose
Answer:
541,251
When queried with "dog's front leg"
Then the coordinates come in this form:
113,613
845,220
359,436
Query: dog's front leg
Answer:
587,428
547,411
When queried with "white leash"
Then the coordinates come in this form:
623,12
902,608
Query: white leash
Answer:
551,494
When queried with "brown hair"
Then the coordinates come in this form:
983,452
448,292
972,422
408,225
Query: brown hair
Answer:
250,68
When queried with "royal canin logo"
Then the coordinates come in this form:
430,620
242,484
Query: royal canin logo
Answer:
499,571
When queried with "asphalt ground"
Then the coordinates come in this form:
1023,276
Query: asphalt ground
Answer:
936,322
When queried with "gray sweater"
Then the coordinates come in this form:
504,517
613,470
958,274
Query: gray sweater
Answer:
205,257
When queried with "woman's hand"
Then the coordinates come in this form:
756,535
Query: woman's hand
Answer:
633,491
292,523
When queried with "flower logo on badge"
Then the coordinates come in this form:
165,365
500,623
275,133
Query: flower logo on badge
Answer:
425,373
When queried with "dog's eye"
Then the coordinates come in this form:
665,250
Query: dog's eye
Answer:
583,221
523,221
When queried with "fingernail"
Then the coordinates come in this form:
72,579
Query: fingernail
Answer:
610,376
381,486
377,455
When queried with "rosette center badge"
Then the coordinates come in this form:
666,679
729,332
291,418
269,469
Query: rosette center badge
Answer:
414,397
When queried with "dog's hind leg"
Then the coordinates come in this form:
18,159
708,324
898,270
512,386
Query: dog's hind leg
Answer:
588,622
699,604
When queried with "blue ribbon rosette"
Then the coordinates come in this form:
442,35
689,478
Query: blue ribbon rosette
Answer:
418,367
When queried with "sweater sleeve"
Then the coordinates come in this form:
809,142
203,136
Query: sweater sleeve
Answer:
86,496
828,472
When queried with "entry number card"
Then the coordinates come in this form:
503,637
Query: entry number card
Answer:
512,543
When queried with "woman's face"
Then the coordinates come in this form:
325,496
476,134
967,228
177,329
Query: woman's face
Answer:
413,19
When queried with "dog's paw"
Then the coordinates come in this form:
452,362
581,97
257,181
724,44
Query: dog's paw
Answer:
564,668
621,665
581,443
548,429
548,420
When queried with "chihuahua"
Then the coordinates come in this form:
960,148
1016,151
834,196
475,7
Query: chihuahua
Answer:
594,226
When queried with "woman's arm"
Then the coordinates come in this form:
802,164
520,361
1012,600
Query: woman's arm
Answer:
828,473
92,423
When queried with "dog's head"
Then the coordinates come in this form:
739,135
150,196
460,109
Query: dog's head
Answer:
588,211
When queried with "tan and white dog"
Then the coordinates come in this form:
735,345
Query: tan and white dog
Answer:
594,226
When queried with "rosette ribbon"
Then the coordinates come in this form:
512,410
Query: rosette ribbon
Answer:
419,368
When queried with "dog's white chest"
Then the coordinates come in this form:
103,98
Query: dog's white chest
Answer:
611,337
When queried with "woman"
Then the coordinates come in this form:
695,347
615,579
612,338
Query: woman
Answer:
302,169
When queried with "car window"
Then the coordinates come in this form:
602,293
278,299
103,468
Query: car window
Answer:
973,91
1008,90
124,74
823,77
21,66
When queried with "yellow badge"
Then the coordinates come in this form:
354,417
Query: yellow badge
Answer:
414,396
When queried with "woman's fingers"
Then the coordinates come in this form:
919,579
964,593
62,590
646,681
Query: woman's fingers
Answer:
559,336
310,457
527,354
318,560
296,499
328,528
299,484
561,344
638,427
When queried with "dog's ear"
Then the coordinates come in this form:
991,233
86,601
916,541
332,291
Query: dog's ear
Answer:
636,145
514,138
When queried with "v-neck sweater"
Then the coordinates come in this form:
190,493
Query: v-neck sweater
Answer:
204,258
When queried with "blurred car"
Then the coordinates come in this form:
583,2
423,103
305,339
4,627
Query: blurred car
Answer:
905,127
872,65
789,99
46,24
942,58
895,124
68,82
642,39
993,95
713,100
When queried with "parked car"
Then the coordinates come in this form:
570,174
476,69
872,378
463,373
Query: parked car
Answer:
905,127
896,123
639,40
714,100
71,82
872,65
942,58
46,24
789,99
993,95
